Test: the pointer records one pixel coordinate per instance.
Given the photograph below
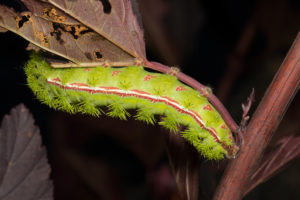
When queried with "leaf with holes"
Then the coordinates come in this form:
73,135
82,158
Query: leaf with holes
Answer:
113,19
49,12
56,32
24,170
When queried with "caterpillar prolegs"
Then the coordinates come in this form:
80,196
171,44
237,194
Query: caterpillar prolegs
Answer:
89,90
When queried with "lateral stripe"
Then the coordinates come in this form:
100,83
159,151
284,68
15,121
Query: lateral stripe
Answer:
136,93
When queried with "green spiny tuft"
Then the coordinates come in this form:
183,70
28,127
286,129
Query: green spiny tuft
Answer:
170,123
95,76
62,103
118,111
125,84
144,114
86,107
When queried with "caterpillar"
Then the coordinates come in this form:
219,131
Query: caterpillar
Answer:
113,91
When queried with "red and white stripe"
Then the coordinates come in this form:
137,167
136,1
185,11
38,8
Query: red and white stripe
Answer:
138,94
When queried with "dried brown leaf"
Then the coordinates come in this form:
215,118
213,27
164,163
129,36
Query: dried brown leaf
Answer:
24,170
113,19
286,150
2,29
76,43
32,47
49,12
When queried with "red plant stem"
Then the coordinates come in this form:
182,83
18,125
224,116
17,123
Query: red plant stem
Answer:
201,88
264,122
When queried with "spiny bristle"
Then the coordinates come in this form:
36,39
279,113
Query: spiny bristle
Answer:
144,114
86,107
118,111
170,123
62,103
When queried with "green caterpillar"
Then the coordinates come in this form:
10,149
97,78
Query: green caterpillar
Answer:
89,90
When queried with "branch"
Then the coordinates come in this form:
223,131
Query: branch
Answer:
263,124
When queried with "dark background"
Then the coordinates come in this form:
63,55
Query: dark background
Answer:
231,46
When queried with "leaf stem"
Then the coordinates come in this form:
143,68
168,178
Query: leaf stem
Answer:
201,88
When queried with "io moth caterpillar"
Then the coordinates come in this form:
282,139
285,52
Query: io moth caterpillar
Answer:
88,90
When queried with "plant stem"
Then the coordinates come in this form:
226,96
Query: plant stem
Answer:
263,124
197,86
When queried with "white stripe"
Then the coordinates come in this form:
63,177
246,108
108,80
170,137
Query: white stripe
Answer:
134,93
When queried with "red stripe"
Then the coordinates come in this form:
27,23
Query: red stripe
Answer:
141,92
57,79
168,101
80,84
109,88
171,100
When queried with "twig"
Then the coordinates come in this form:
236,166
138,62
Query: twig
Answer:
247,106
264,122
